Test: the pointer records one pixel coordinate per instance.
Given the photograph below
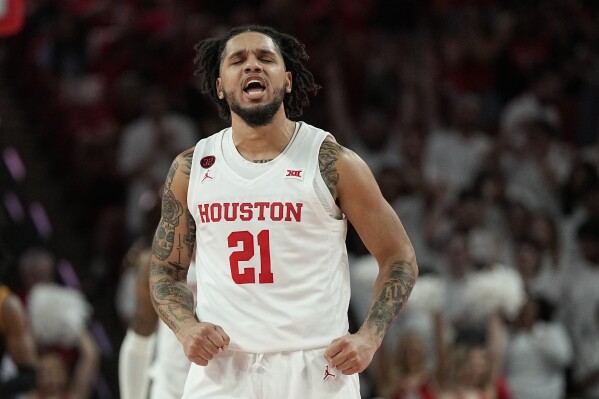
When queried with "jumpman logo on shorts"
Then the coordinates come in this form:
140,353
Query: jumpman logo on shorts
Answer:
207,176
328,374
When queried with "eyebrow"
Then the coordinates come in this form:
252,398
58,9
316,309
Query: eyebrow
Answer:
261,51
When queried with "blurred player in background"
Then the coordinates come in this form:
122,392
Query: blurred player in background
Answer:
152,363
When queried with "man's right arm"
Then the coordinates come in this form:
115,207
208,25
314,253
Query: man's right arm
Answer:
172,248
172,251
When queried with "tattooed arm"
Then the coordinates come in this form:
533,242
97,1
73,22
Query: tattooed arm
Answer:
355,189
172,250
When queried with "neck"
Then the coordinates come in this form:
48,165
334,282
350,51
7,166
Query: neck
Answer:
262,142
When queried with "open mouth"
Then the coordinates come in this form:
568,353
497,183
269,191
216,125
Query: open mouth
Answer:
254,87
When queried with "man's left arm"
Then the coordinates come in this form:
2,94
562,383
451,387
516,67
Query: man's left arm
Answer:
356,191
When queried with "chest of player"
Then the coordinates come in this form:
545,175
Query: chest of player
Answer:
283,193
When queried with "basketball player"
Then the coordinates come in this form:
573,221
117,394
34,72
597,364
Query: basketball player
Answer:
265,202
17,340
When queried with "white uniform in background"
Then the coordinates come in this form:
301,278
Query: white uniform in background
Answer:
170,367
272,271
154,363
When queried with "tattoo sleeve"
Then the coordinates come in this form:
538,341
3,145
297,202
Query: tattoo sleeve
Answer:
172,298
172,249
397,285
328,155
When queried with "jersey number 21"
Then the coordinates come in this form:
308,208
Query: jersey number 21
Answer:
248,274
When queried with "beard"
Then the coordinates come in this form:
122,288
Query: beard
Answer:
259,115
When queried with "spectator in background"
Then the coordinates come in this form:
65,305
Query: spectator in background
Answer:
408,374
538,352
148,145
57,378
455,267
590,154
69,357
537,103
536,173
578,307
466,212
490,184
538,278
17,342
516,226
455,153
589,381
470,364
414,200
581,176
546,231
36,265
588,208
370,132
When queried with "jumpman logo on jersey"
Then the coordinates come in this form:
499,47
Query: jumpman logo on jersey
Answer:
207,176
328,374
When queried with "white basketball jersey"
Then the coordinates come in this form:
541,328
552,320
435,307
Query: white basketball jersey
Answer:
272,265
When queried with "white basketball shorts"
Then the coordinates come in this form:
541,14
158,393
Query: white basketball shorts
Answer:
277,375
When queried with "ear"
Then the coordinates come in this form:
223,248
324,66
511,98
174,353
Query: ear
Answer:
219,89
288,82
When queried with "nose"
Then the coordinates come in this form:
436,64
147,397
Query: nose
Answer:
252,65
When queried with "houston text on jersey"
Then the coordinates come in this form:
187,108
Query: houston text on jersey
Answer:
246,211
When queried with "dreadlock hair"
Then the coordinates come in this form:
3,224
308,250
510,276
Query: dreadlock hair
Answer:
209,55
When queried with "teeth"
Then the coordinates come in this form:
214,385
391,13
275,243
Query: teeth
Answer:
253,81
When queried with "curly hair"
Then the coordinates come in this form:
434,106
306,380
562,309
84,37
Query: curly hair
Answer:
209,54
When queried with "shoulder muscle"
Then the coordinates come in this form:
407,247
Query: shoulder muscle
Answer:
329,154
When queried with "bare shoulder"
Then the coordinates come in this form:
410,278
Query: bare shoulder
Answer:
183,161
336,161
180,167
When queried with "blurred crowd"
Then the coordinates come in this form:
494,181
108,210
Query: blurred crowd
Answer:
479,119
